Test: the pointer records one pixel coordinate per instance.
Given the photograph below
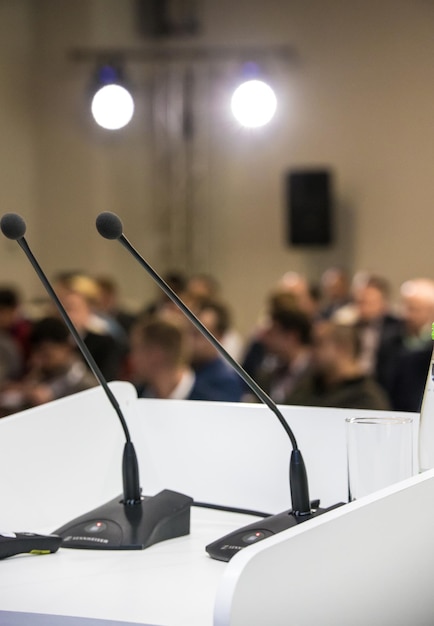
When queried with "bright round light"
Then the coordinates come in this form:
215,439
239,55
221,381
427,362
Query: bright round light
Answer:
112,107
253,103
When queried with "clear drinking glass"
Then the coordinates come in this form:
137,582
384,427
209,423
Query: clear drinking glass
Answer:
379,453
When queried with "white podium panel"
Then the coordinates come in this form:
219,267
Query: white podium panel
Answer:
61,459
370,562
238,454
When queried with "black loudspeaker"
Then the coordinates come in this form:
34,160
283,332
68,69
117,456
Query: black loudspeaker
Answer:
167,18
309,207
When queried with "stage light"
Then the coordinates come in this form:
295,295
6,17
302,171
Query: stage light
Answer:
253,103
112,104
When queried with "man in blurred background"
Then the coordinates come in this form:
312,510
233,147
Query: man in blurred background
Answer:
403,360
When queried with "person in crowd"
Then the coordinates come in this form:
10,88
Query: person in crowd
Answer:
417,300
403,360
201,286
288,338
371,313
177,281
11,361
206,286
13,322
291,291
56,370
306,295
337,378
335,291
110,309
119,322
375,322
257,358
80,297
160,367
158,359
348,314
215,376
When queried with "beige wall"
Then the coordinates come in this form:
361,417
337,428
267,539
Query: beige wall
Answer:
17,149
358,98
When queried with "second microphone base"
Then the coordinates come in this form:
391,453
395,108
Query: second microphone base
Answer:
115,526
225,548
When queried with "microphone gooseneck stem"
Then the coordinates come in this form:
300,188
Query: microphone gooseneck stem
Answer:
130,466
259,393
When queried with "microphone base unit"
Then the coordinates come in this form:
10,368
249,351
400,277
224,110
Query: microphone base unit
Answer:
225,548
116,526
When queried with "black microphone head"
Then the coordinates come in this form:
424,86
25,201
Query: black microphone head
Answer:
109,225
13,226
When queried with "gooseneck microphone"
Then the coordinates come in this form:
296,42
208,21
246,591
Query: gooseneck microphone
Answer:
109,226
131,521
14,227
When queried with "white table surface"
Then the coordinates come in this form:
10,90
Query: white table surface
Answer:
173,583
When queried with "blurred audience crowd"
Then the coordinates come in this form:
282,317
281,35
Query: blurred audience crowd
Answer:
341,343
